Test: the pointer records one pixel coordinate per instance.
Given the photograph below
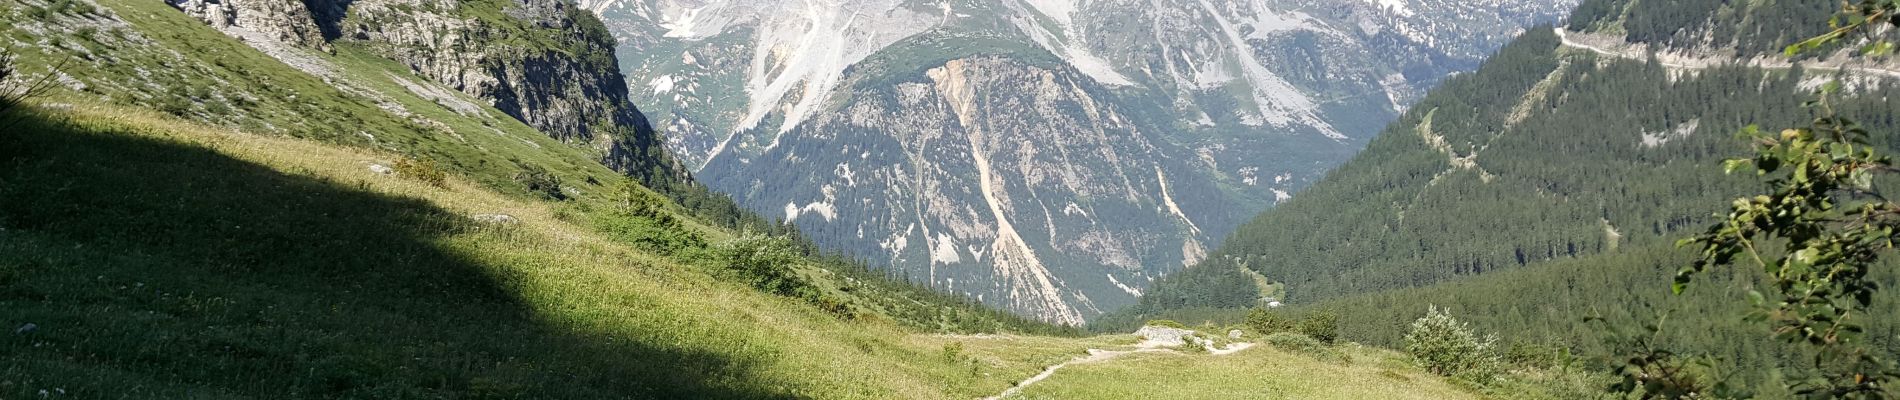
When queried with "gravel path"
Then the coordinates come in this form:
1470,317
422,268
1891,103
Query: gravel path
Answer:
1155,340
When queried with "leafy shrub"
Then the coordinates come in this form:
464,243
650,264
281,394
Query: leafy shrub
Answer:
640,219
423,170
1296,342
1323,327
766,262
953,352
1266,322
1446,346
1193,344
842,306
540,182
661,235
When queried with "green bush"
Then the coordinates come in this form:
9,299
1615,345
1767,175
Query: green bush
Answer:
540,182
1323,327
769,264
1264,321
953,352
659,234
1446,346
423,170
1296,342
1194,344
765,261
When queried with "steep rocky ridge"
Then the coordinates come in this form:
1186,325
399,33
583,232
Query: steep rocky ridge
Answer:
1049,156
541,61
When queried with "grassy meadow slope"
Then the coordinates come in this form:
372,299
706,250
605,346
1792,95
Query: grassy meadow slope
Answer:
1350,372
162,259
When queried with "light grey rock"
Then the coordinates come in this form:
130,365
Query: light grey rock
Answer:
288,21
1164,336
496,219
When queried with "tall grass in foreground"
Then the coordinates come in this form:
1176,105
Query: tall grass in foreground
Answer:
158,259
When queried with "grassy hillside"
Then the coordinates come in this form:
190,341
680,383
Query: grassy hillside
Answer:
161,259
1351,372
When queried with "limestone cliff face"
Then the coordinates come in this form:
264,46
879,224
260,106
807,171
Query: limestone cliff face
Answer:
1051,157
541,61
283,20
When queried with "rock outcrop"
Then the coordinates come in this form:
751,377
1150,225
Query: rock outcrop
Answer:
544,62
283,20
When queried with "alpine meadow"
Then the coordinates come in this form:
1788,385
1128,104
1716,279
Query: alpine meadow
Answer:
949,199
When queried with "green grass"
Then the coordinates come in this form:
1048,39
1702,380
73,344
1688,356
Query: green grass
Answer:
1262,372
156,266
163,259
158,258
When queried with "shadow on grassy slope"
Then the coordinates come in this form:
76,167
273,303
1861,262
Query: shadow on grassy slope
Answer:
155,269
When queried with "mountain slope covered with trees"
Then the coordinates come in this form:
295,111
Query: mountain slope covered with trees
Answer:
1548,188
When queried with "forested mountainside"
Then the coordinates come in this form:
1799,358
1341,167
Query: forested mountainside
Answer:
1549,186
1729,28
1052,157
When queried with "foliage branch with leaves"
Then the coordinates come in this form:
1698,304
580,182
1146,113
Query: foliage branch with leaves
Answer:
1830,224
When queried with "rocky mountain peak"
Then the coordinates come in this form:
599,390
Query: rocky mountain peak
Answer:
1050,156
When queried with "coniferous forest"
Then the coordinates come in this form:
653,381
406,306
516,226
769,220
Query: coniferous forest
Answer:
1542,197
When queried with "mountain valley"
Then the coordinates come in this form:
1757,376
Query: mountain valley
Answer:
1049,157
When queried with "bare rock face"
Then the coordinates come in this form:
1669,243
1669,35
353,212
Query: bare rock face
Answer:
1164,336
544,62
1051,157
283,20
